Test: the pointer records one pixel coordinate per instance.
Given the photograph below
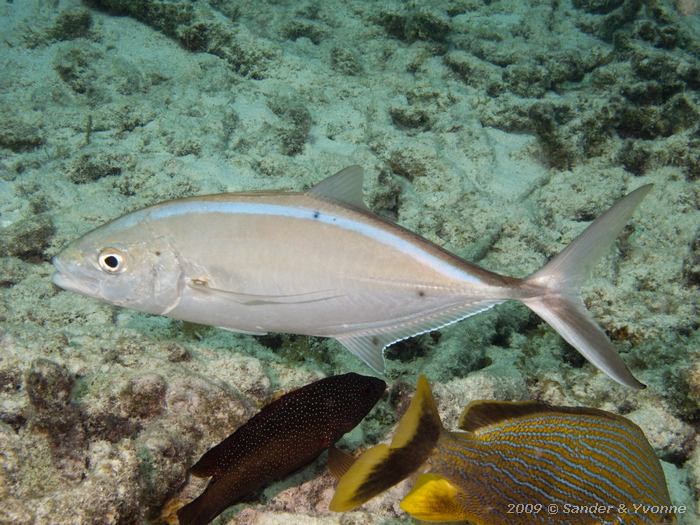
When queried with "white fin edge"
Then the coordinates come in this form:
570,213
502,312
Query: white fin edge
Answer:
369,345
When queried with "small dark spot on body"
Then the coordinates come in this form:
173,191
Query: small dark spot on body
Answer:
157,254
420,293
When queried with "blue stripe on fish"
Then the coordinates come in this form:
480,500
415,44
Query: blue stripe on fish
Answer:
380,235
527,454
618,443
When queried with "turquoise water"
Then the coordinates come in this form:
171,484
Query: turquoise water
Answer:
497,130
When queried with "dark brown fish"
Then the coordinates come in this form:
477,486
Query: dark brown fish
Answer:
283,437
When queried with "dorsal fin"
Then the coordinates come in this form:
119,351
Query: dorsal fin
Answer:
384,466
344,187
479,414
420,419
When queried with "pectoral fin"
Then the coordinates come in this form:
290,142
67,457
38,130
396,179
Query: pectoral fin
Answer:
249,299
339,462
433,498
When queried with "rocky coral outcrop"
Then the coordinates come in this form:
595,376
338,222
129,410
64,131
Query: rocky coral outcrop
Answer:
497,130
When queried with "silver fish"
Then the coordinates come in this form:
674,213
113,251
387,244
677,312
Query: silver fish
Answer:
321,263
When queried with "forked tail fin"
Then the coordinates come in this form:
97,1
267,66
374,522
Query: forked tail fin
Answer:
560,280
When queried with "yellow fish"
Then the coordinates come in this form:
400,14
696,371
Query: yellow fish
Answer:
515,463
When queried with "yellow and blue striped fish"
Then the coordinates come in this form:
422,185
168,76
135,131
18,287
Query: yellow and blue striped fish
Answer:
515,463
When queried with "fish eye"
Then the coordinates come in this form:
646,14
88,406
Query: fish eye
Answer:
112,260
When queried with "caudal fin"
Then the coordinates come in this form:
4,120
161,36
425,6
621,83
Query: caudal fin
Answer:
383,466
558,284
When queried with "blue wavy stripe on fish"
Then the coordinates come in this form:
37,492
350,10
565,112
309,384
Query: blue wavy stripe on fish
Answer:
586,462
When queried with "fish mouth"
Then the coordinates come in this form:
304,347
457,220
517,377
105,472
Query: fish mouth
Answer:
69,277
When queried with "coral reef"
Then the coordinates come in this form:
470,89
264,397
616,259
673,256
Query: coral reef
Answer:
498,130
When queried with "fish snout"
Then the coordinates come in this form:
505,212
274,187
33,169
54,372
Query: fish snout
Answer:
377,387
58,278
68,277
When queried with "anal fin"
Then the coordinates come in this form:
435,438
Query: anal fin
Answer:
368,342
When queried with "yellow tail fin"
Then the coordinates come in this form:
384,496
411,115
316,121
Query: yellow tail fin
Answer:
381,467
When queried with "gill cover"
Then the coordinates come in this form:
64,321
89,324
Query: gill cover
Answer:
151,280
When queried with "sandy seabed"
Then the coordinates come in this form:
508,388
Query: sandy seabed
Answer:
498,130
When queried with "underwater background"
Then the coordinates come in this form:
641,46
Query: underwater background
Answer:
497,129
